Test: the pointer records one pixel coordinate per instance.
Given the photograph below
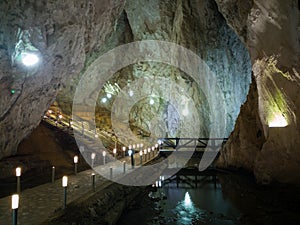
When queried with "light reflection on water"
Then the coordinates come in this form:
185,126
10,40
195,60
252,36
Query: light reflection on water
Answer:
234,199
186,211
187,206
170,205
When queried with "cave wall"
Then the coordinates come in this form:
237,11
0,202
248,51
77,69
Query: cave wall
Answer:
270,30
70,34
64,34
196,25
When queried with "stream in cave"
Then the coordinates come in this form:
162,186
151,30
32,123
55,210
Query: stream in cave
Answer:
236,199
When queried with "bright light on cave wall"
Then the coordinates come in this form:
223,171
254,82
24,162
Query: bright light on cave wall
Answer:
278,121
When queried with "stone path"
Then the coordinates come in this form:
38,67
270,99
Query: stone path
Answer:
39,203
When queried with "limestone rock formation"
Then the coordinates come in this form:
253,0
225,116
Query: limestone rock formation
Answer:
63,34
70,35
198,26
270,30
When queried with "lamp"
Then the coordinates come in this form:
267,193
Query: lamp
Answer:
65,185
130,153
53,174
18,175
93,181
14,207
141,157
115,152
75,164
124,149
29,59
104,155
93,156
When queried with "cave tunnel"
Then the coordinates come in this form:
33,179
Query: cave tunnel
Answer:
149,112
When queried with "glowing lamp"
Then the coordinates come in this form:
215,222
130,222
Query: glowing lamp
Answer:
153,148
131,93
141,153
149,149
185,112
93,156
278,121
65,181
104,153
18,171
145,151
115,151
15,201
104,100
133,146
156,145
141,145
151,101
29,59
75,159
124,149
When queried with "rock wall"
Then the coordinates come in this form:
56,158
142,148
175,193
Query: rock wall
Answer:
198,26
271,32
63,34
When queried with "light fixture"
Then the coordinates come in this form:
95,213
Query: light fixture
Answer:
104,100
115,151
185,112
104,156
29,59
65,181
141,153
93,155
156,145
151,101
130,93
278,121
53,174
108,95
18,171
15,201
18,175
75,159
65,185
